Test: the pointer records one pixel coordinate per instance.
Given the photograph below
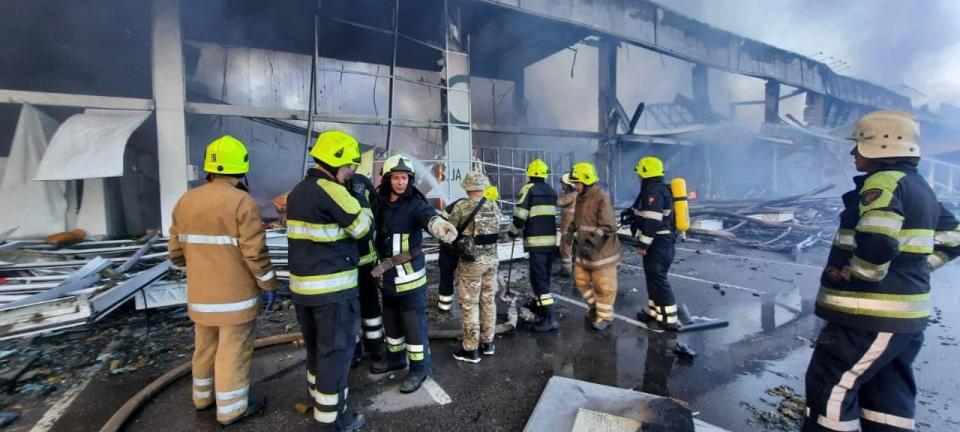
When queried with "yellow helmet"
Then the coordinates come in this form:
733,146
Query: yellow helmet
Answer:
336,148
226,155
538,168
583,172
491,193
397,163
650,167
887,134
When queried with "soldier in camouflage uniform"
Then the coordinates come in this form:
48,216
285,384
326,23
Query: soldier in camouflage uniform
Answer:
477,271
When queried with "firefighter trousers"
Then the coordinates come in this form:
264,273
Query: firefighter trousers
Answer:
329,332
448,261
221,368
662,305
861,380
598,288
405,323
370,310
540,264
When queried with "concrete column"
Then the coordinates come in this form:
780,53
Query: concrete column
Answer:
519,98
606,101
813,112
701,91
771,105
169,96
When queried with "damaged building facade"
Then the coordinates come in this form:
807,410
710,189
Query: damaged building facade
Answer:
124,96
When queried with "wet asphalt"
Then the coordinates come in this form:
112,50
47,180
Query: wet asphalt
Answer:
767,299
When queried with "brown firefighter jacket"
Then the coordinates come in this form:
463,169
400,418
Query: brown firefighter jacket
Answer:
217,234
597,245
567,203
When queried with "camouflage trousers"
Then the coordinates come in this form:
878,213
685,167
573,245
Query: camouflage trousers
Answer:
476,292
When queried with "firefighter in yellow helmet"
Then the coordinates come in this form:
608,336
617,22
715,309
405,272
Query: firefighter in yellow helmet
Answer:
325,222
568,205
217,234
535,219
596,247
875,289
651,217
403,213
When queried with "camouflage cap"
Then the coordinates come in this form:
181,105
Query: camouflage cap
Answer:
474,181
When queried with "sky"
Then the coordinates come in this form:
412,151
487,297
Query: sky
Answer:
889,42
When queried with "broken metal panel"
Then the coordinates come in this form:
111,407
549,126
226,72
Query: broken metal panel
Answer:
90,145
88,275
651,26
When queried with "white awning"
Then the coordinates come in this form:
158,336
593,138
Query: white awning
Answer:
90,145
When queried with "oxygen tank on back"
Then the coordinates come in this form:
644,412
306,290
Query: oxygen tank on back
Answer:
681,208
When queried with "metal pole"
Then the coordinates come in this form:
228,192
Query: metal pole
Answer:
313,83
393,71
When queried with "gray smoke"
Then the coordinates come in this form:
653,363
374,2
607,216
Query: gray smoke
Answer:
890,42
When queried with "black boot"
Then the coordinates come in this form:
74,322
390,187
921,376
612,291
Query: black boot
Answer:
488,348
376,348
413,382
355,425
357,355
254,406
385,365
548,321
467,356
600,325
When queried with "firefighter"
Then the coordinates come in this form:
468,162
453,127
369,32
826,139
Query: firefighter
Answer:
477,274
447,261
370,313
653,221
403,213
568,204
535,218
596,247
217,234
875,291
324,224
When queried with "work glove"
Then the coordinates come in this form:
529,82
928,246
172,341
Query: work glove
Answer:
441,229
356,187
269,297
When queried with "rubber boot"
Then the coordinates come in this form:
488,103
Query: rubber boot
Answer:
413,382
385,365
254,406
376,348
549,322
600,325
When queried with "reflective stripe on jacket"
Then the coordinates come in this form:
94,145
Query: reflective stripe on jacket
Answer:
595,224
535,215
324,223
217,234
887,233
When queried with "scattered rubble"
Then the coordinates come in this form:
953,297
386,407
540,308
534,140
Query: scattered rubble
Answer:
789,412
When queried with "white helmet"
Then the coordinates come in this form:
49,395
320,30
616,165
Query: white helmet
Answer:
887,134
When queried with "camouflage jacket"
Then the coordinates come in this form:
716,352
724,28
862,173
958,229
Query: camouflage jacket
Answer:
480,235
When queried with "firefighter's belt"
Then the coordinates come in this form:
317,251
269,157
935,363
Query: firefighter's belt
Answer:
397,260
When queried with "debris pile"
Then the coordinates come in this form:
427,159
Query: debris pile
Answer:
44,287
783,225
789,412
